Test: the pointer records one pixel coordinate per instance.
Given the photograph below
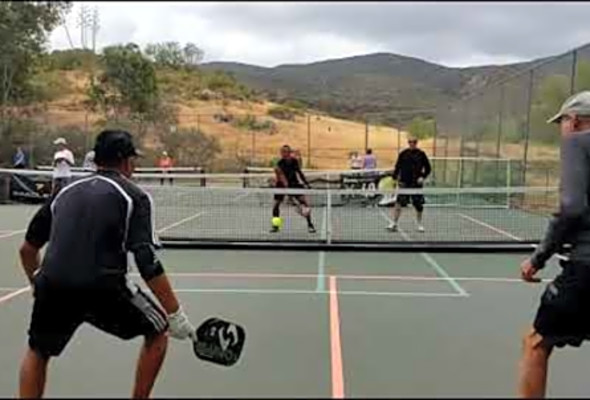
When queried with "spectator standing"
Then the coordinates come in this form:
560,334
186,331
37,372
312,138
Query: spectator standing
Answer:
63,161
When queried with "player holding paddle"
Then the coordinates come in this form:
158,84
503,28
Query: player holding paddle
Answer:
289,175
89,227
411,169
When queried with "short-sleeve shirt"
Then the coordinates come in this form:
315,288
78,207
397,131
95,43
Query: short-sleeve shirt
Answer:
89,227
369,161
62,168
290,167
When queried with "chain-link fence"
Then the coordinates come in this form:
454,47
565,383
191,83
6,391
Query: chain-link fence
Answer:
221,140
503,120
507,119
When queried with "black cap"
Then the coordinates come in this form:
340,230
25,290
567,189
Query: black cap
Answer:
113,146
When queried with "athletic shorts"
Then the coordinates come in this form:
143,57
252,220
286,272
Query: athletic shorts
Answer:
416,199
119,308
300,198
563,317
59,184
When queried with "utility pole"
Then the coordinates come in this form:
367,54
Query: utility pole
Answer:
95,27
83,23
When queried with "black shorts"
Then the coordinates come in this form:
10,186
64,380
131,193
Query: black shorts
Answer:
563,318
298,197
60,183
417,199
120,309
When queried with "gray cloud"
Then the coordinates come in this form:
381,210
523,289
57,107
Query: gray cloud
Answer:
276,33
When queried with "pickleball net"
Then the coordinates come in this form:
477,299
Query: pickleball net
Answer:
220,211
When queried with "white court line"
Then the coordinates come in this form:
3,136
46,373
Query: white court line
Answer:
13,294
299,292
182,221
509,235
195,216
12,233
408,278
493,228
431,261
320,286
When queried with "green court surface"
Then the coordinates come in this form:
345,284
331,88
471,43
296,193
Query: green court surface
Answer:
318,324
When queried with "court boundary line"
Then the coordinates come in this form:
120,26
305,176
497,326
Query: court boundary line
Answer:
409,278
195,216
431,261
335,343
491,227
320,284
14,294
12,233
500,231
314,292
180,222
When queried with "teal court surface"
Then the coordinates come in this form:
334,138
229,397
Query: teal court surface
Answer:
319,324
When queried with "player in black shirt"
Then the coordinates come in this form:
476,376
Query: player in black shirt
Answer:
289,175
89,227
411,168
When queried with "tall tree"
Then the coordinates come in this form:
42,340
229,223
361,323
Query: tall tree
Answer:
127,84
173,55
24,26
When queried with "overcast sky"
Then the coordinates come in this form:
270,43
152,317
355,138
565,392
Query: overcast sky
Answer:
269,34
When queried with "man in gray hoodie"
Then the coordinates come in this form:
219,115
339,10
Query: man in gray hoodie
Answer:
563,317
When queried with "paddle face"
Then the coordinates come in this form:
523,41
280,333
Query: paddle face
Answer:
219,342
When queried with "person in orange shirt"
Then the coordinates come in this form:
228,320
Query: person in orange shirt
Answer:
165,163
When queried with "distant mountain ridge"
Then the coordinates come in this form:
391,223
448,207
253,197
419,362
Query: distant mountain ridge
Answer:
371,83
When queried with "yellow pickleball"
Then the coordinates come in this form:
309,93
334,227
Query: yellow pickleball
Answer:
277,222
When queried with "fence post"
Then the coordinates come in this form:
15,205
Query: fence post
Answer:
500,121
366,133
528,126
434,149
574,72
308,141
253,157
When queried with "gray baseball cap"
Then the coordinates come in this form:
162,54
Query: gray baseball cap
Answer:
578,104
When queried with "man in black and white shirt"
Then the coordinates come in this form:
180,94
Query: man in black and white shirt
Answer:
63,161
89,227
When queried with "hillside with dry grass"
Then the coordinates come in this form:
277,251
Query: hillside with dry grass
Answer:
331,139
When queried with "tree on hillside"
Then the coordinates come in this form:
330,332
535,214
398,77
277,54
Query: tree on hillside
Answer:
127,84
547,99
173,55
24,27
192,54
191,147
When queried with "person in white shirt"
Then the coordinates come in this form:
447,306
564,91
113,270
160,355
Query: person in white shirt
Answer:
355,161
63,161
89,161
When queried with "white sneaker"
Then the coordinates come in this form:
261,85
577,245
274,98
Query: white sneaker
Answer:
392,227
420,228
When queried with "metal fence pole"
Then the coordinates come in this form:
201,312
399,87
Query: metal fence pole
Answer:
500,122
366,134
253,157
308,141
527,126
